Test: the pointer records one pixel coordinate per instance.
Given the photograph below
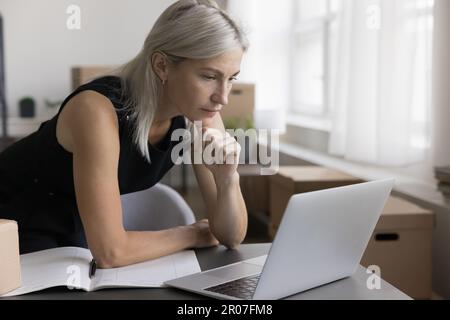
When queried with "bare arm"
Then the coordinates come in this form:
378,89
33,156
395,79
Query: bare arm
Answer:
221,191
93,131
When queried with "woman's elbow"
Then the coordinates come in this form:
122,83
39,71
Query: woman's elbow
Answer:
232,243
233,246
108,258
109,255
231,240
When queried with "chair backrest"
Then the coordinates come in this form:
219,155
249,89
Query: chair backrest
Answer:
157,208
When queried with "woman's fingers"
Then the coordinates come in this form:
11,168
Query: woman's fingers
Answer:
205,236
220,148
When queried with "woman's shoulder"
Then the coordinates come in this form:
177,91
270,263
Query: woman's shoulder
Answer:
87,114
90,102
103,91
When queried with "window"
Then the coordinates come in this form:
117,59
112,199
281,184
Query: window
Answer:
422,25
312,57
313,61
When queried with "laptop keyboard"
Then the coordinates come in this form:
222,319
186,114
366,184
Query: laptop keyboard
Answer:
241,288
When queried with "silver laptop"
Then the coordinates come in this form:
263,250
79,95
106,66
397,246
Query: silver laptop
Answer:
321,239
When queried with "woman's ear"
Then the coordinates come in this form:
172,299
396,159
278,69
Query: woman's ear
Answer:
160,65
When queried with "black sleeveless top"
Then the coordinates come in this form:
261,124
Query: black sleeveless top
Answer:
36,173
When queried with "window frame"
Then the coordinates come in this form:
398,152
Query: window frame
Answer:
315,120
304,28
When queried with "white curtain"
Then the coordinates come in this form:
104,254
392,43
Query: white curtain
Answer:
441,84
377,115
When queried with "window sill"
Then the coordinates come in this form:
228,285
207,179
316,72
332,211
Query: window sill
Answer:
422,191
309,122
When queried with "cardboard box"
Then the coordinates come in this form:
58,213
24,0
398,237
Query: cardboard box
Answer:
241,105
255,189
300,179
9,256
84,74
401,246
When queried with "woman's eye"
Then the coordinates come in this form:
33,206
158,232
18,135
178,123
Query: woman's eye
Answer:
209,77
233,79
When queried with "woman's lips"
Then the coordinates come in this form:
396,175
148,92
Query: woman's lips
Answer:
210,112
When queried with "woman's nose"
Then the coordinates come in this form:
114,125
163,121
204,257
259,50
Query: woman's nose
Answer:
221,96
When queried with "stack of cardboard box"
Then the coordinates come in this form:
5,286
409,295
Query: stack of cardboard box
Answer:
401,246
299,179
238,113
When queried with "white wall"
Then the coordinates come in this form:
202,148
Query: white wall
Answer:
40,50
267,63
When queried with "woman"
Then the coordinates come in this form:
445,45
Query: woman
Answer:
112,136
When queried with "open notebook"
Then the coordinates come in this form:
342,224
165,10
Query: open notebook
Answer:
69,266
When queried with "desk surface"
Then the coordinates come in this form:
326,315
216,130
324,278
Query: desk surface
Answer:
349,288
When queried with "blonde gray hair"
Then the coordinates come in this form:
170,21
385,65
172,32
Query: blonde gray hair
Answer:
188,29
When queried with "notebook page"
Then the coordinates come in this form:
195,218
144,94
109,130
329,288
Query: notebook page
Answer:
152,273
66,266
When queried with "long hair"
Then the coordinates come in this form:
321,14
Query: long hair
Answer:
188,29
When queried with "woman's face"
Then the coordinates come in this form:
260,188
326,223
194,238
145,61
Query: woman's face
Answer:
198,89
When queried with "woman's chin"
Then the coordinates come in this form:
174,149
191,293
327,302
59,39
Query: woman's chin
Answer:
206,121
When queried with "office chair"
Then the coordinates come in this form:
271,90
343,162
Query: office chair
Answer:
157,208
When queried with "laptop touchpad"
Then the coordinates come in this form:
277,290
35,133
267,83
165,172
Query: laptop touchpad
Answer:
236,271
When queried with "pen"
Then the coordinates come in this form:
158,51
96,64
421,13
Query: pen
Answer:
92,268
